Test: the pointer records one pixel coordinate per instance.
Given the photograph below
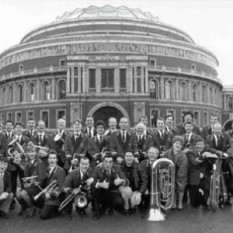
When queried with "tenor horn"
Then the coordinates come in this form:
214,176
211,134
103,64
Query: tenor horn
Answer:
162,188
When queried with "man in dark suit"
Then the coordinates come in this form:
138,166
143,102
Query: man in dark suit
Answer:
199,172
105,193
74,181
52,197
144,120
161,138
137,185
89,130
121,141
141,142
219,142
145,167
188,116
208,129
75,145
189,136
6,195
44,140
31,129
59,141
112,123
169,124
98,144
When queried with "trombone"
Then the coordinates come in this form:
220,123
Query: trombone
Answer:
79,195
49,188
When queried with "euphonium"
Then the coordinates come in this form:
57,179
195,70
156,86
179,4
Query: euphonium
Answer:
162,188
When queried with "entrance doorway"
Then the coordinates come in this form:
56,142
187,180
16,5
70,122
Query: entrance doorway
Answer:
105,113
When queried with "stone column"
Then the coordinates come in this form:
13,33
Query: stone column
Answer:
190,91
177,97
129,80
85,79
68,80
72,79
53,88
142,79
38,90
146,81
162,88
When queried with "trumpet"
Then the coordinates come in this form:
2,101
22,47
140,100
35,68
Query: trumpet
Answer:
79,195
162,188
49,188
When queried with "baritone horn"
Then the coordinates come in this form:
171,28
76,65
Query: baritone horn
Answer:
162,188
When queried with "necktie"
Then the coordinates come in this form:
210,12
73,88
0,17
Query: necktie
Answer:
101,138
31,132
1,182
40,138
107,176
123,137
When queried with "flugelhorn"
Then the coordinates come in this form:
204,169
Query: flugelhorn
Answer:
48,188
58,137
162,188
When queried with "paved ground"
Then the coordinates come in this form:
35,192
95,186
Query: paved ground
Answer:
187,221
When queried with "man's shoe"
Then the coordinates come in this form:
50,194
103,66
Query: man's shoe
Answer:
126,212
69,217
133,211
96,215
3,214
12,206
82,213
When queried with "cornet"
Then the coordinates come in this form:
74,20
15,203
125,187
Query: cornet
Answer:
29,181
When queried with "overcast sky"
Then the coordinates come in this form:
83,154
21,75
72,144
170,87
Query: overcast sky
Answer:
208,22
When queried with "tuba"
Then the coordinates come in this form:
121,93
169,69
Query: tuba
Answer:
162,188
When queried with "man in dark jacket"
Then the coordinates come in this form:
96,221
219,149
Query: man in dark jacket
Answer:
137,183
105,188
6,196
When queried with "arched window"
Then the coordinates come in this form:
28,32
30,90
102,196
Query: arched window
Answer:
31,91
204,94
183,91
230,103
20,93
154,89
194,92
61,89
11,98
169,90
46,91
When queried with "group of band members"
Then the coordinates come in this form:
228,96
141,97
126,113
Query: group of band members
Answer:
115,164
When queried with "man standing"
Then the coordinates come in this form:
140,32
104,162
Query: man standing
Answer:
98,144
121,141
208,129
188,116
75,146
89,130
112,123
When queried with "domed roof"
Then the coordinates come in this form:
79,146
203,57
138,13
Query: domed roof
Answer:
106,11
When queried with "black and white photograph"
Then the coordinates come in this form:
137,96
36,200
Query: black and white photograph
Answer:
116,116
